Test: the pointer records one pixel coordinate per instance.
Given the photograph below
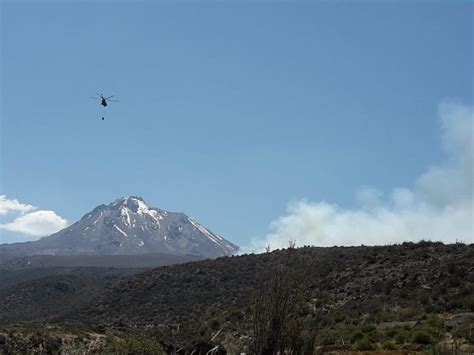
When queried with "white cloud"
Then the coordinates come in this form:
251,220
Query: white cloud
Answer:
28,221
439,207
7,205
38,223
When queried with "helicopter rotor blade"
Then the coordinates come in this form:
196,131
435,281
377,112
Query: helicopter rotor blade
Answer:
109,97
113,100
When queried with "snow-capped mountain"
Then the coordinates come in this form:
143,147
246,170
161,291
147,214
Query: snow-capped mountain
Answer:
129,226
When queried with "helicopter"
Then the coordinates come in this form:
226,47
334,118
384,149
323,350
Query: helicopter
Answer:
103,100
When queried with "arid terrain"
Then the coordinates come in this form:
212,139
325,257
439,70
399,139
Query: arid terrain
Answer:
401,298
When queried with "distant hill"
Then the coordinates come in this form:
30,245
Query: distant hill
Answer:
128,226
107,261
46,293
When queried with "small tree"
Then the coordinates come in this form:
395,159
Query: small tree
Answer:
291,244
275,305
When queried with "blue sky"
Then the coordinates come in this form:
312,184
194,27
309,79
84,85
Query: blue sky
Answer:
227,111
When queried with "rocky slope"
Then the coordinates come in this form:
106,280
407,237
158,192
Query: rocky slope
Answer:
405,297
430,276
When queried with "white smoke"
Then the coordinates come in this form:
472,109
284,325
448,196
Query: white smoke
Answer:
439,207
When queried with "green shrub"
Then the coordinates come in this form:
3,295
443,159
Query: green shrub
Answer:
402,337
464,331
133,345
363,344
325,338
389,345
368,328
214,324
393,331
422,337
434,321
357,335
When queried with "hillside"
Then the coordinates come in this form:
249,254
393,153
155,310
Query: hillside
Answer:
45,293
409,296
377,284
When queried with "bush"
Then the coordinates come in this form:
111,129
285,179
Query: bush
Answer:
401,337
133,345
434,321
357,335
364,344
464,332
422,337
214,324
325,338
392,332
389,345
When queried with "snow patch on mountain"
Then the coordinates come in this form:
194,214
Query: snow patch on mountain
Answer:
205,231
121,231
124,212
97,220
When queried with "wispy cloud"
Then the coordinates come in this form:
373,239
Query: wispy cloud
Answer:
439,206
28,221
